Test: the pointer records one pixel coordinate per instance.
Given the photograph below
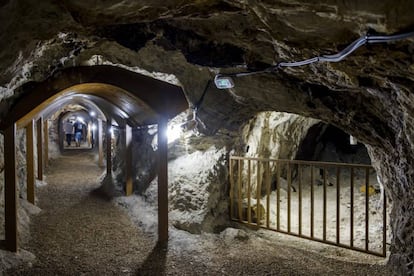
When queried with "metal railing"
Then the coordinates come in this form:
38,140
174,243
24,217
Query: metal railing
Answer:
333,203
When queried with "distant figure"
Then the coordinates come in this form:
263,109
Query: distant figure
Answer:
78,132
68,129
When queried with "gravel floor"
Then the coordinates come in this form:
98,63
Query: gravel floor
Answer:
80,233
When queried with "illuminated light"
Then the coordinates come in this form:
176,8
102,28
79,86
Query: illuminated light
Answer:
173,133
80,119
93,127
353,140
223,82
92,113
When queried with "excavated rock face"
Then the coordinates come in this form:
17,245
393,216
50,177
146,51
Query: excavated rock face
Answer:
369,94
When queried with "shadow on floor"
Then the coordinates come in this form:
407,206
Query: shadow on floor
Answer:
155,262
107,189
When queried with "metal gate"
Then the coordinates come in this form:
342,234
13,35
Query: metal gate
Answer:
333,203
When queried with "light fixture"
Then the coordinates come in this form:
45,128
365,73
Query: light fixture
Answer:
223,82
93,127
353,140
92,113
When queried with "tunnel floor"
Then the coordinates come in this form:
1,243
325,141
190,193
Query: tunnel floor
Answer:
79,233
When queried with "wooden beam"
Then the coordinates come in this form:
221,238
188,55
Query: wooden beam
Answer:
10,192
46,142
40,149
100,143
108,147
30,166
128,160
162,180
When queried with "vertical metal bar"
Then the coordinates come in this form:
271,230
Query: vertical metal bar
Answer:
10,191
231,191
278,195
338,205
312,203
162,180
39,149
324,204
384,225
352,209
289,179
258,194
249,192
128,160
366,209
267,175
30,162
239,192
300,197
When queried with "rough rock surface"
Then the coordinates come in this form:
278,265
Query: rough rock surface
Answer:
369,94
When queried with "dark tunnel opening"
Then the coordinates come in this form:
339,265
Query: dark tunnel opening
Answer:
328,143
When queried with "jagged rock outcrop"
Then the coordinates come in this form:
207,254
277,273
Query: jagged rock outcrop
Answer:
369,94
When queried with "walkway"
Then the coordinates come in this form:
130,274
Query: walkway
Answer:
78,232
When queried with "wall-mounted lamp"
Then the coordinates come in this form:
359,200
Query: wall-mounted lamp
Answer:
352,140
223,82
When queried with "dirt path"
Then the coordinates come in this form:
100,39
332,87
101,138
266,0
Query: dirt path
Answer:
78,232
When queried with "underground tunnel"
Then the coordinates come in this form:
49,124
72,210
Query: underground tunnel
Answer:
241,133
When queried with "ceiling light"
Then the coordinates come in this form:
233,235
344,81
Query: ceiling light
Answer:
223,82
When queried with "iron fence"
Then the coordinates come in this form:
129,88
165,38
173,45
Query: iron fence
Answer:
333,203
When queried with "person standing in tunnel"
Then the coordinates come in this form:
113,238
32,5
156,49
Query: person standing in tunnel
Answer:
68,129
78,132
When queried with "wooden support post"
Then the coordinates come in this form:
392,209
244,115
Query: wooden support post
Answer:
46,142
162,180
108,147
39,149
10,193
128,160
100,143
30,162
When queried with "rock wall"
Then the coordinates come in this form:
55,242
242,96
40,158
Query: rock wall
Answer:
273,135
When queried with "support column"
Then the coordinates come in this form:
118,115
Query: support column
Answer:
30,166
46,142
10,192
39,149
100,144
108,147
128,160
162,180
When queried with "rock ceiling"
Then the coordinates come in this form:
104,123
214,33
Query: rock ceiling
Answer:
369,94
194,39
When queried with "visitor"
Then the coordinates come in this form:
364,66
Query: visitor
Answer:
68,130
78,132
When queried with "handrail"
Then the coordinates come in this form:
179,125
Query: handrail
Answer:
302,162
